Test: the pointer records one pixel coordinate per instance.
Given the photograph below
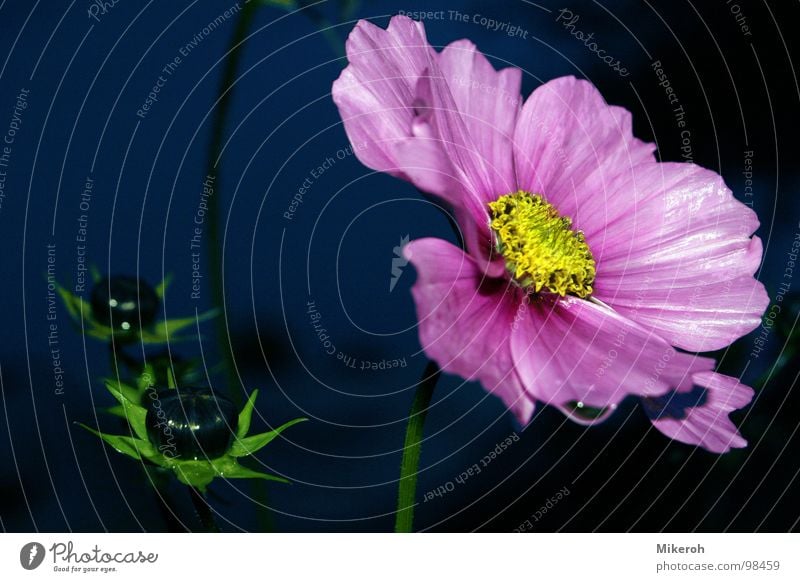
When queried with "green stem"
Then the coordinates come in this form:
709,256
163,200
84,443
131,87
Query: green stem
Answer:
409,467
203,511
213,164
161,494
327,29
213,218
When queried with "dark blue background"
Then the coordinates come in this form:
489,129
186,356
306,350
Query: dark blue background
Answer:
87,79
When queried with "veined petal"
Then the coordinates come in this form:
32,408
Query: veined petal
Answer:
572,350
376,91
700,416
677,257
571,147
465,320
488,102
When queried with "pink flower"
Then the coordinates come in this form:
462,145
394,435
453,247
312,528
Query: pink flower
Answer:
588,262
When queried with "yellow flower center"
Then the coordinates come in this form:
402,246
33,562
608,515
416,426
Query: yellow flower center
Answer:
540,248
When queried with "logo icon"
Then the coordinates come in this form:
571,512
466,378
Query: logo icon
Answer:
398,262
31,555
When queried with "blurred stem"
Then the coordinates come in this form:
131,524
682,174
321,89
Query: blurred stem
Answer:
159,484
116,355
213,165
203,511
788,355
409,467
213,218
327,29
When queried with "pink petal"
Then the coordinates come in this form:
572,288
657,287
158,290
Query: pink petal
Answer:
700,416
677,257
438,119
465,320
571,147
375,93
488,102
572,350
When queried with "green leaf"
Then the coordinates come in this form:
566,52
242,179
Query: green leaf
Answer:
146,379
122,392
133,447
251,444
99,332
117,410
172,384
241,472
162,287
74,304
136,417
164,331
246,415
194,473
229,468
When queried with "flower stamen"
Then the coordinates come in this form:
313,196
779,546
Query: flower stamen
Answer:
540,248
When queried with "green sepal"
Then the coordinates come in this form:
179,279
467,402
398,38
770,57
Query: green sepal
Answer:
161,332
172,383
161,288
165,331
124,393
146,379
75,304
133,447
200,474
116,410
249,445
129,400
229,468
246,415
194,473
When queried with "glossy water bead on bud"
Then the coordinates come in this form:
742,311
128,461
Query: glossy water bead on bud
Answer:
124,303
190,423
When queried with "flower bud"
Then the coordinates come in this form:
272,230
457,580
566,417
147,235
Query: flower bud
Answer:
190,423
124,303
